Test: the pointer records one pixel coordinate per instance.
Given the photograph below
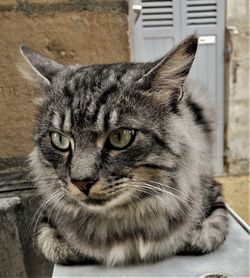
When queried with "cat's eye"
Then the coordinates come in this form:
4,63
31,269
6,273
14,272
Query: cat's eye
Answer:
60,141
121,138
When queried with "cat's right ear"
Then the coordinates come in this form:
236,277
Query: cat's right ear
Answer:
168,74
39,69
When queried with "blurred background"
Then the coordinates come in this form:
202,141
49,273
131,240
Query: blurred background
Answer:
106,31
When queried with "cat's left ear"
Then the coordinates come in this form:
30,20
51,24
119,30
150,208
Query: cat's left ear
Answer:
170,72
41,69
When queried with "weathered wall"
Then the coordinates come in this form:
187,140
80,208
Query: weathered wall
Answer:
69,31
237,88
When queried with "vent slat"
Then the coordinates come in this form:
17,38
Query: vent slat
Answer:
157,7
157,10
152,13
201,2
201,12
201,21
202,15
152,1
167,22
157,16
157,26
201,8
157,4
160,21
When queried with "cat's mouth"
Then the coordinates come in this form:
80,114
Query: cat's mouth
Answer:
96,200
93,195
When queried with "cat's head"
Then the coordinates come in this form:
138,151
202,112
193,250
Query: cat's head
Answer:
106,134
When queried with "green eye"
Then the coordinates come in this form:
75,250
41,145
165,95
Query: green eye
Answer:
121,138
60,141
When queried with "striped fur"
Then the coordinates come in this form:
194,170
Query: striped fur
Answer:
155,198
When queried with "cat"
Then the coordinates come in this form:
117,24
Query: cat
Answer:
123,161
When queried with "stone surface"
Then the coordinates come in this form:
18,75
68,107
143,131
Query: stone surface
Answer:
236,191
18,206
11,254
73,36
237,89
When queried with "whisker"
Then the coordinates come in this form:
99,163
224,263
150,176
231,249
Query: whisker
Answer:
40,210
152,188
189,198
41,206
44,208
56,202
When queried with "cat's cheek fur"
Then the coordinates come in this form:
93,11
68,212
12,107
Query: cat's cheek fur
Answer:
117,255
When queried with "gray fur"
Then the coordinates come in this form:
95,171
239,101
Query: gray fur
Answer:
155,198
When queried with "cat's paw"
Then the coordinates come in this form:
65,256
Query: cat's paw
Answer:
210,235
53,247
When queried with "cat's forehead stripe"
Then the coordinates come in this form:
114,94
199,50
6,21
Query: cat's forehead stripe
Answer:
67,121
113,117
100,119
89,101
56,120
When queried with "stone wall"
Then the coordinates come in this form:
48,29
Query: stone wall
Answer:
237,88
73,31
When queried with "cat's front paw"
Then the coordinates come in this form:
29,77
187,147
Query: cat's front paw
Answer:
53,247
211,233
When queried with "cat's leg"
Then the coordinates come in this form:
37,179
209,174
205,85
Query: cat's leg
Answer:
211,234
53,247
212,230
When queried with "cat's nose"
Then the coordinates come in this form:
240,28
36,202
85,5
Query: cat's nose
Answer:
84,185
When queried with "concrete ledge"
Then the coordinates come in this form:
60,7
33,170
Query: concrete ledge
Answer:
230,260
18,204
11,254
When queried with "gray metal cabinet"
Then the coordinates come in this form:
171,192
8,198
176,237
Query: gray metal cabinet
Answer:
161,24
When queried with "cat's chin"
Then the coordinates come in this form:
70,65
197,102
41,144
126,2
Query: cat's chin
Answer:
101,205
96,201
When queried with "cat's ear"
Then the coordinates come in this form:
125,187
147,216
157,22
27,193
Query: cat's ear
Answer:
171,71
40,69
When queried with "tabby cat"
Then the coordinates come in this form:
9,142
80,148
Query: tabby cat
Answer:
123,161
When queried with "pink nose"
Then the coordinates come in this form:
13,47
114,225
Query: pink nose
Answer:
80,184
84,185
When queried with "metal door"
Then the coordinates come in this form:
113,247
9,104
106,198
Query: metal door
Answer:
161,24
